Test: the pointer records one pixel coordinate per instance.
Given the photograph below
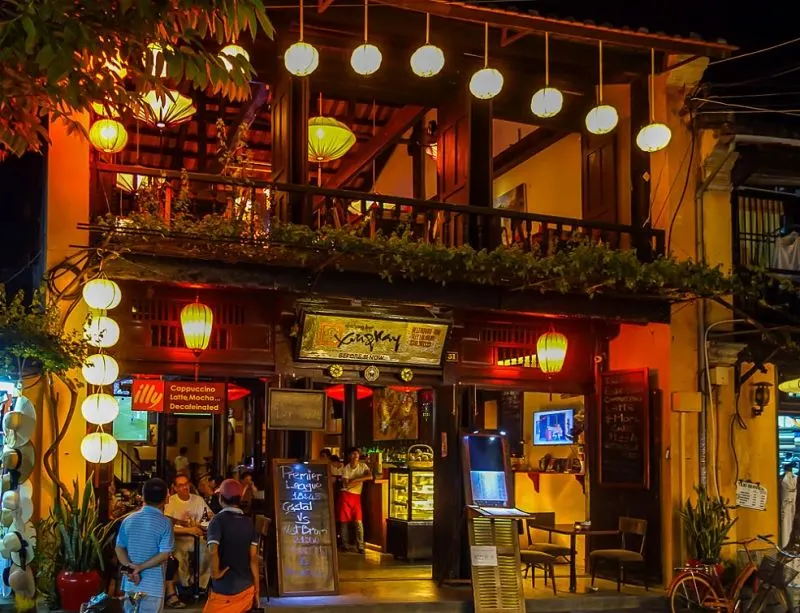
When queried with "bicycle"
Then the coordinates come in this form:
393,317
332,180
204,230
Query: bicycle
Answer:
103,603
700,588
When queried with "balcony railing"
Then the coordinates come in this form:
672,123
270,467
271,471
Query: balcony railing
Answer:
260,204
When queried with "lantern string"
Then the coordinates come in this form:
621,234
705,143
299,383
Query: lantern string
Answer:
486,45
600,79
301,21
366,20
427,28
651,83
547,59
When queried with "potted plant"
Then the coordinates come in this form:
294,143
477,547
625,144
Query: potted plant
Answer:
708,523
82,540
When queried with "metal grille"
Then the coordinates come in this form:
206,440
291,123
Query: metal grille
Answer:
760,222
163,317
497,589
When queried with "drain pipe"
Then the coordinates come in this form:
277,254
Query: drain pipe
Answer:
701,306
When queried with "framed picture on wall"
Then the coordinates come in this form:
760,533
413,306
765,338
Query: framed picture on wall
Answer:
512,200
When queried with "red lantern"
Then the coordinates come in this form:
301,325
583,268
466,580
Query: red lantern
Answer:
337,392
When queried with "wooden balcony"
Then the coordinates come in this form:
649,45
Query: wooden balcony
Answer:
259,205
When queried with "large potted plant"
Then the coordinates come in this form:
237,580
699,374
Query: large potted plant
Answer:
708,522
82,539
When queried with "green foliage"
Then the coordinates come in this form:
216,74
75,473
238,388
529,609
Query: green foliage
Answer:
707,523
82,536
48,563
32,334
54,56
585,267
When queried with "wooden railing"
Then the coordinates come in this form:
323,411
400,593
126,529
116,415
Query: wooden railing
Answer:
453,225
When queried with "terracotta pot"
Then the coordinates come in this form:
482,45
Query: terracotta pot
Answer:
76,588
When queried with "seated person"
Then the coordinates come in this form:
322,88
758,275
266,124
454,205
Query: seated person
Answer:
207,487
249,491
187,511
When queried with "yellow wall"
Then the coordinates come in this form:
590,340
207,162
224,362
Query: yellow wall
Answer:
559,493
552,178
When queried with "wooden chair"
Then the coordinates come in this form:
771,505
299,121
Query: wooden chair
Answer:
537,559
630,531
546,520
263,524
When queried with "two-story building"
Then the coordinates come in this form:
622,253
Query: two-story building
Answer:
434,252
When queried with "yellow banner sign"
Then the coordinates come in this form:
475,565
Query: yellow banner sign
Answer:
337,338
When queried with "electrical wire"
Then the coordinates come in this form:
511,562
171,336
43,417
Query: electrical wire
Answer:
744,108
758,79
736,419
756,52
672,186
692,147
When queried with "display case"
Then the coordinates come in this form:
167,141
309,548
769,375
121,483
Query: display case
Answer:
409,529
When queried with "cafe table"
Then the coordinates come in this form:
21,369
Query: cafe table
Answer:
573,532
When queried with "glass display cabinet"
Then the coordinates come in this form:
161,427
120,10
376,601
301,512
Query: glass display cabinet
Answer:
409,528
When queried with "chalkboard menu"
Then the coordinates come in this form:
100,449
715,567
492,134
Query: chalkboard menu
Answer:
306,532
510,419
291,409
625,429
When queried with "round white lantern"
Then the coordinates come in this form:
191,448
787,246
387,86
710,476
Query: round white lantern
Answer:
100,369
427,61
547,102
101,331
653,137
100,409
366,59
102,294
486,83
99,447
301,59
602,119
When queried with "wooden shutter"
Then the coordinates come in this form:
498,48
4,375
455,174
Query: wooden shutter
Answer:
600,178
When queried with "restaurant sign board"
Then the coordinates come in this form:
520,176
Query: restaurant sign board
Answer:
187,397
338,337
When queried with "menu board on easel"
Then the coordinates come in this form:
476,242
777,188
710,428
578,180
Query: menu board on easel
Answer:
306,532
624,428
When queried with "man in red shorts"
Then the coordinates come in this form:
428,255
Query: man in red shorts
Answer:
354,473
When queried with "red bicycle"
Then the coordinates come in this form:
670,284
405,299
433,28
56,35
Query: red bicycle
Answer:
699,588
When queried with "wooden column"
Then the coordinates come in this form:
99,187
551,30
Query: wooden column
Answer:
479,169
290,103
417,152
220,443
349,418
161,452
640,164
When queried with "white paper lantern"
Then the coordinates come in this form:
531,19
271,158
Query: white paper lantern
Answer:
100,369
653,137
427,61
102,294
547,102
301,59
602,119
366,59
486,83
99,447
100,409
101,331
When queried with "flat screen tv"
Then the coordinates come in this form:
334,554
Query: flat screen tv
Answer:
130,426
553,427
487,473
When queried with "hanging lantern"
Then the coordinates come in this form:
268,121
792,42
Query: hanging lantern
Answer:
790,387
366,59
127,182
602,119
653,137
197,321
232,51
108,135
166,110
102,294
328,139
301,59
100,369
100,409
428,60
486,83
101,331
551,351
547,102
99,447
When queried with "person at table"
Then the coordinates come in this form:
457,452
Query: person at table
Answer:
144,543
207,488
188,511
354,473
234,573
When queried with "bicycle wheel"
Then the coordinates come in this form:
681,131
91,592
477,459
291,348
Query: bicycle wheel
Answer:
694,593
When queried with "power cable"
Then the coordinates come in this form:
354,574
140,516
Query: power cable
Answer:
745,108
766,77
692,147
756,52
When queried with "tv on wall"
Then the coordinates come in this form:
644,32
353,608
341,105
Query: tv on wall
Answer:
553,427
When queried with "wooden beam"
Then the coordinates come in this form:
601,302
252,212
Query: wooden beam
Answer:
525,148
508,37
519,21
394,129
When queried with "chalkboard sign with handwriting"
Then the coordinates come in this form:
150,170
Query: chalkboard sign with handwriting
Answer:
306,532
625,428
291,409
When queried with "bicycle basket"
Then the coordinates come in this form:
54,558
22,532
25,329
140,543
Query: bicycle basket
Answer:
775,573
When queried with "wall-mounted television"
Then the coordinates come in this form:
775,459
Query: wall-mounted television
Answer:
553,427
130,425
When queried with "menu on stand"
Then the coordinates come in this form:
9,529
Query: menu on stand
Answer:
306,531
625,428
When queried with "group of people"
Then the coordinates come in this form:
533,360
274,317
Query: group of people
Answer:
154,545
351,475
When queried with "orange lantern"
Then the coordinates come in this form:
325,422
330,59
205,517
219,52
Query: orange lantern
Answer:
197,320
108,135
551,351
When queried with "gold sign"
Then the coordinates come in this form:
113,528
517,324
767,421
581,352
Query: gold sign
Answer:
365,339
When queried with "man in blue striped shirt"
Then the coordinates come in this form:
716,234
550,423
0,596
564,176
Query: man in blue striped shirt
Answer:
144,543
